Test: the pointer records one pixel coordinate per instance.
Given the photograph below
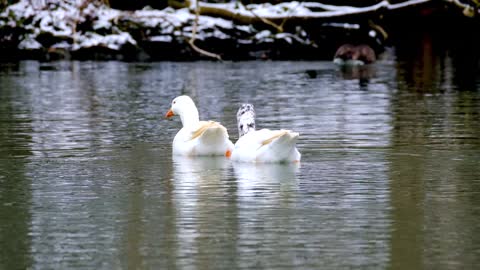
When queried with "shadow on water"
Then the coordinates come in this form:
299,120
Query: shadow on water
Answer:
438,86
362,74
15,180
441,55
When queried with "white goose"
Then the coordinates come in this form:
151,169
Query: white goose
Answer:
197,138
263,145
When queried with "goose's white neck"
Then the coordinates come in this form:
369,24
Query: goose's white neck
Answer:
189,117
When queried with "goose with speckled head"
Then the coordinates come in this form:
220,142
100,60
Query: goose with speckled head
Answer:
265,145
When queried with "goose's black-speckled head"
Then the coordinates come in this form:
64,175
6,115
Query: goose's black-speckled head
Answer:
245,119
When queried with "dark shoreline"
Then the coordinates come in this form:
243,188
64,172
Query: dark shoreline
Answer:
446,26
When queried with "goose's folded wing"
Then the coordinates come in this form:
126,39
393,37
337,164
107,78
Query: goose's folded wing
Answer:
272,136
210,132
202,127
266,146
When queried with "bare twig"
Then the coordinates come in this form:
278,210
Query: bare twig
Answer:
279,28
195,22
75,21
201,51
378,28
468,10
194,34
289,13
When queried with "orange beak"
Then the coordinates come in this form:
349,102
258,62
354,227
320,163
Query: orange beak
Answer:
169,114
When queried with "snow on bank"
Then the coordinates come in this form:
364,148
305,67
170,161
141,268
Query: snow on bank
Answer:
304,9
60,21
78,24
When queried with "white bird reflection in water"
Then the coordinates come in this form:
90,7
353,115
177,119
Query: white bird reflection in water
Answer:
210,200
201,201
188,165
267,195
266,180
196,176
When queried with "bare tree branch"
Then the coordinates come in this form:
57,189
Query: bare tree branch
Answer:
468,10
279,28
194,34
331,12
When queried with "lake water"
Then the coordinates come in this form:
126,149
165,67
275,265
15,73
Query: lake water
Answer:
389,176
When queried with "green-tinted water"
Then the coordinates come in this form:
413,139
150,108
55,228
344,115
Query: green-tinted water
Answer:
389,176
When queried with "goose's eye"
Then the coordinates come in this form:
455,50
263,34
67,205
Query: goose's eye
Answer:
241,126
174,102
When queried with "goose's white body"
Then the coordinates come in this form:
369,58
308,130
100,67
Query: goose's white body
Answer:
264,146
197,138
203,139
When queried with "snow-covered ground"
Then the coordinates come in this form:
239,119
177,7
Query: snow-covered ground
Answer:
74,25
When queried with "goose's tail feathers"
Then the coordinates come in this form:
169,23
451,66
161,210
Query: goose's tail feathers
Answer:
281,146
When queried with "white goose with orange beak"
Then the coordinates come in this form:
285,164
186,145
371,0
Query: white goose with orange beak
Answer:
265,145
197,138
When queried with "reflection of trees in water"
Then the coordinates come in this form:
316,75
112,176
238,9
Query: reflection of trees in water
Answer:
206,207
65,117
352,204
15,183
143,206
440,58
144,211
433,214
434,162
361,73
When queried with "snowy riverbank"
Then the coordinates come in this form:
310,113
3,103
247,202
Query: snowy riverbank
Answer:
79,29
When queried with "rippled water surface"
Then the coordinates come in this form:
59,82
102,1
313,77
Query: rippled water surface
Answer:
389,178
